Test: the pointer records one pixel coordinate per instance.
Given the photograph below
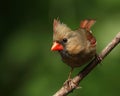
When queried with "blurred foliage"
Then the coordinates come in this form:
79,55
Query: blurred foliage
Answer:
29,68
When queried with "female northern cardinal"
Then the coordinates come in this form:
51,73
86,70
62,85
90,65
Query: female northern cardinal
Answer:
75,47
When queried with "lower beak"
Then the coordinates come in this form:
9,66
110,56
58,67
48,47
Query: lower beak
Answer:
56,47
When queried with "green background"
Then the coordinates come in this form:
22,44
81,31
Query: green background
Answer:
29,68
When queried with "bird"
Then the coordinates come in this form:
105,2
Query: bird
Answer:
76,47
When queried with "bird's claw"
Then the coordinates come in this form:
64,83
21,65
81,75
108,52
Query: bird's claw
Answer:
70,83
67,82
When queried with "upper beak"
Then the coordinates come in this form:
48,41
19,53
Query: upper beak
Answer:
56,47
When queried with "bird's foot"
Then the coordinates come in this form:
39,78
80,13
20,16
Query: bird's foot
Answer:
70,83
67,82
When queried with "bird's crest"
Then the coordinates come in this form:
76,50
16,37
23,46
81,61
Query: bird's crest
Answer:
56,23
59,27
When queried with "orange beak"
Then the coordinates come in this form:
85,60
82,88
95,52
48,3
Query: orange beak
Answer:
56,47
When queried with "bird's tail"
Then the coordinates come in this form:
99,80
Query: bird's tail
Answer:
87,24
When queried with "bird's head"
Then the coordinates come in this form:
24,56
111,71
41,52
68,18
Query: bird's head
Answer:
64,39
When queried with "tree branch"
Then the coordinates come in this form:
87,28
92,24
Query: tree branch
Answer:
73,84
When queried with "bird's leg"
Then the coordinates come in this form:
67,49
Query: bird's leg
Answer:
69,76
69,82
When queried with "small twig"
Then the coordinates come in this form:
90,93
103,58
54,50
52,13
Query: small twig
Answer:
65,89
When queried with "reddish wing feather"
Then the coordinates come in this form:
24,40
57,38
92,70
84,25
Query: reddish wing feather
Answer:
91,38
87,24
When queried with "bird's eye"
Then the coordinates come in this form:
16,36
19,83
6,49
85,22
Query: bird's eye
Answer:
65,40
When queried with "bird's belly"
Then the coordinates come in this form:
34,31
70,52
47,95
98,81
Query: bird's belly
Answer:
75,62
78,60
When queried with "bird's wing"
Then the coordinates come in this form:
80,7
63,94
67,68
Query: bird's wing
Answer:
87,24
